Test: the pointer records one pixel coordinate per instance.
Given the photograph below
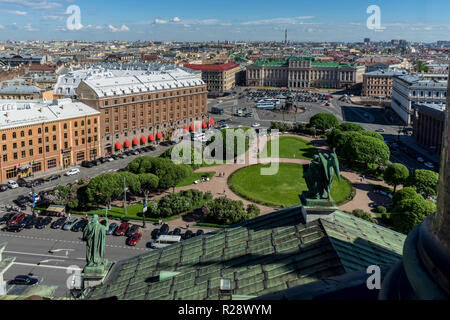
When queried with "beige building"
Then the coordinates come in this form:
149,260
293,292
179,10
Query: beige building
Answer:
139,107
218,77
378,83
303,72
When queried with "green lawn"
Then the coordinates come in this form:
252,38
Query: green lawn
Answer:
292,148
282,188
195,176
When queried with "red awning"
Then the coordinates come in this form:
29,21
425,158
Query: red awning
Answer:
126,144
211,122
118,146
151,138
143,140
135,142
191,128
159,136
204,126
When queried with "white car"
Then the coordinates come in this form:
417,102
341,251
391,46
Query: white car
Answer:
12,184
73,172
429,165
110,159
256,125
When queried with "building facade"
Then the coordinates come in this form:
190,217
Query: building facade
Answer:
218,77
407,90
378,83
303,72
21,92
428,125
38,137
140,107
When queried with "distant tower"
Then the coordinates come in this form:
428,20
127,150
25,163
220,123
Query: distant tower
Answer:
285,38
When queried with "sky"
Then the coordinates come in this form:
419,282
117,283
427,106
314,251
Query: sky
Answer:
248,20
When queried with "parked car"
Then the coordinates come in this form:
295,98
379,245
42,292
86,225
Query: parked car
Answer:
115,157
112,228
122,229
58,223
187,235
132,230
21,201
102,160
31,223
18,217
380,130
87,164
3,187
73,172
134,239
80,225
96,162
110,159
199,232
155,234
24,183
38,182
69,224
25,280
12,184
5,218
43,223
123,155
164,229
420,159
176,232
54,177
20,225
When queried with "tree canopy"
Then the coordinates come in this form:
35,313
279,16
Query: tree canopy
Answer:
226,211
409,212
324,121
396,174
425,182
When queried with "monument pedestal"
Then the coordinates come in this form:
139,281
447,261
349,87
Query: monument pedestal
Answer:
94,276
314,209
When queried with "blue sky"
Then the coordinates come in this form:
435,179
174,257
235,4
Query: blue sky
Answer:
324,20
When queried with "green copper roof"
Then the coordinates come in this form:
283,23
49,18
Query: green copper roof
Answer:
272,63
264,255
314,63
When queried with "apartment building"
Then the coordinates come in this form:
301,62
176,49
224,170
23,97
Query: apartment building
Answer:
407,90
38,137
138,107
428,125
378,83
218,77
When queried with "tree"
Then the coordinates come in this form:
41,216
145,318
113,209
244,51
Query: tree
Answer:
350,126
226,211
396,174
324,121
365,150
103,188
425,182
410,212
420,66
149,183
405,193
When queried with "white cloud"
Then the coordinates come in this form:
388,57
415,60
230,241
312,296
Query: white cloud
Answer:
15,12
34,4
28,27
160,21
176,19
54,18
1,27
123,28
293,20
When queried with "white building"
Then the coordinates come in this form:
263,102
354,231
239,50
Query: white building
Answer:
409,89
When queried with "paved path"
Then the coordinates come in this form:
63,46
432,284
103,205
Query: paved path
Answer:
218,185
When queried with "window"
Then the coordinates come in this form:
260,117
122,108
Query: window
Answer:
22,144
15,156
54,128
10,173
89,122
65,126
80,156
22,134
31,152
15,145
47,149
14,135
82,123
55,147
37,167
54,138
23,153
40,150
3,137
51,163
66,145
76,124
46,129
65,135
4,147
30,132
5,158
39,140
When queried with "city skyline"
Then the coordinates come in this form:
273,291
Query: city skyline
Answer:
205,21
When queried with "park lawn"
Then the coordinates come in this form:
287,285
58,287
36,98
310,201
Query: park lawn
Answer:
291,148
195,176
281,189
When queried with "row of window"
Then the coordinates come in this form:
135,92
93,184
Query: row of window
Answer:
46,129
157,96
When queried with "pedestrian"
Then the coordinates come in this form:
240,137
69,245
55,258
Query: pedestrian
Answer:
187,225
160,222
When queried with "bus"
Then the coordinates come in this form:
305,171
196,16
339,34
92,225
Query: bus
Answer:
276,102
265,105
164,241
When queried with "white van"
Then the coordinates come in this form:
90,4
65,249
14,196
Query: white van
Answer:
164,241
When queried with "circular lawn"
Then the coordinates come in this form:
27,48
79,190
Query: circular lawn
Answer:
281,189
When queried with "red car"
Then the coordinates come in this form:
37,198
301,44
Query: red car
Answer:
16,219
134,239
122,229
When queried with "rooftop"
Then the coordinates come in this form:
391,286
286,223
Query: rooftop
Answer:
274,252
212,67
20,89
15,113
386,73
